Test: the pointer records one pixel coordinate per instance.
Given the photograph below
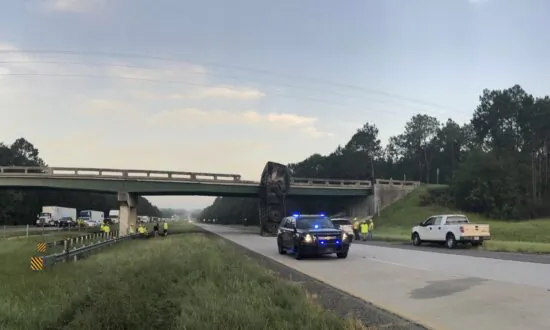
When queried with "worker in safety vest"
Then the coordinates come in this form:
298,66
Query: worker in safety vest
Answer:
371,228
364,230
165,228
141,230
131,230
106,229
356,224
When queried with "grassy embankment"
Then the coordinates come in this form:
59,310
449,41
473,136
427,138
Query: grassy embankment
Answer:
395,223
186,281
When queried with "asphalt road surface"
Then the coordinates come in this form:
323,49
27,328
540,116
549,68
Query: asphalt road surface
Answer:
465,250
438,290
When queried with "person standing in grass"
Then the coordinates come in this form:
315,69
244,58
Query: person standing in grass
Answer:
165,228
371,228
356,225
364,230
156,229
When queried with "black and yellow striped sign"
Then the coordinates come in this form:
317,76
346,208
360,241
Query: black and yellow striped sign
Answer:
40,247
37,263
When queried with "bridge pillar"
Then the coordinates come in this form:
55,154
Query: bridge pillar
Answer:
128,212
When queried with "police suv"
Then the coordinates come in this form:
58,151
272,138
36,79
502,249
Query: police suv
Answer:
308,235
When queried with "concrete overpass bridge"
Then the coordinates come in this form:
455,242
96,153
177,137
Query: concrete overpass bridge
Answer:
128,184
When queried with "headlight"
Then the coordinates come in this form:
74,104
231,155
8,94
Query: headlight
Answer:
308,238
344,236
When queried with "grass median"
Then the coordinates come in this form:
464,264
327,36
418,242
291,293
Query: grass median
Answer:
395,223
186,281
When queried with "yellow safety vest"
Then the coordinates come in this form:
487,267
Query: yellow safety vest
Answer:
356,225
165,226
131,230
107,229
364,228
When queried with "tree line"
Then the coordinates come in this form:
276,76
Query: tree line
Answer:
496,164
19,207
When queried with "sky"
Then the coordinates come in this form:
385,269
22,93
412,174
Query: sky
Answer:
225,86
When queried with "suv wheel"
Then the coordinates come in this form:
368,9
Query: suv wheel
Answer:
342,255
280,247
297,253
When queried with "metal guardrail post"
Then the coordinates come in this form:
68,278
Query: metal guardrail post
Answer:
66,249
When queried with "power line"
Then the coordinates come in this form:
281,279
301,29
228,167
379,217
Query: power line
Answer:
91,76
221,65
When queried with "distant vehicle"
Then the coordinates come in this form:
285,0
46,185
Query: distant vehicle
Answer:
91,218
67,222
310,235
450,229
344,224
51,215
114,215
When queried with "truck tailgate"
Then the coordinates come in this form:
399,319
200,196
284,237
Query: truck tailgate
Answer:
476,230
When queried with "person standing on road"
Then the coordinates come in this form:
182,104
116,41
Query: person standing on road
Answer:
371,228
364,230
356,224
165,228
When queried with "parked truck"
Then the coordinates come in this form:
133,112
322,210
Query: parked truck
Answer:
450,229
91,218
52,215
114,215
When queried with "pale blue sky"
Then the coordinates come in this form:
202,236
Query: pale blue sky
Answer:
243,73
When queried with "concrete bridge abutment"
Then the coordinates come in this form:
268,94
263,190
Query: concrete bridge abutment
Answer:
127,203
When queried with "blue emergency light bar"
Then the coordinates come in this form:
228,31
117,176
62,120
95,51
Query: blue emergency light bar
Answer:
297,215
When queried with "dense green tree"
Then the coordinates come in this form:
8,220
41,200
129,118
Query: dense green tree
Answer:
21,206
496,164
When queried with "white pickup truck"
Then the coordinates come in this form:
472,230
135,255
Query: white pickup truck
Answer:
449,229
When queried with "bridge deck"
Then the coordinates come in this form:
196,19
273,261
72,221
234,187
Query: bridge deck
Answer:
172,176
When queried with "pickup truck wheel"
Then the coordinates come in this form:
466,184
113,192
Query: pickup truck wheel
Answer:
450,241
416,241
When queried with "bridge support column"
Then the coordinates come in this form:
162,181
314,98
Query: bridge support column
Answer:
361,207
128,212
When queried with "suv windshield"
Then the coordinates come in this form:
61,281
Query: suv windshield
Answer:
311,223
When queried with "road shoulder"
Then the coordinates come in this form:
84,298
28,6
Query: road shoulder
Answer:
330,298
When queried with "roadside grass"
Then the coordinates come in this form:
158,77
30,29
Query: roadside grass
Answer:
395,223
186,281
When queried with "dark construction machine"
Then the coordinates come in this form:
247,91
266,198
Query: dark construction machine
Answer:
274,186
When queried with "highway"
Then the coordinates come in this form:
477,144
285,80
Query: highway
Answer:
438,290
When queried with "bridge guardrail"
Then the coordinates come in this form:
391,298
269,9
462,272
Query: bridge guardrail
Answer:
38,263
106,173
118,173
330,182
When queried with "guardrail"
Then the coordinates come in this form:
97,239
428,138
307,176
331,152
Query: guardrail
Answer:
392,182
117,173
106,173
330,182
38,263
72,242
